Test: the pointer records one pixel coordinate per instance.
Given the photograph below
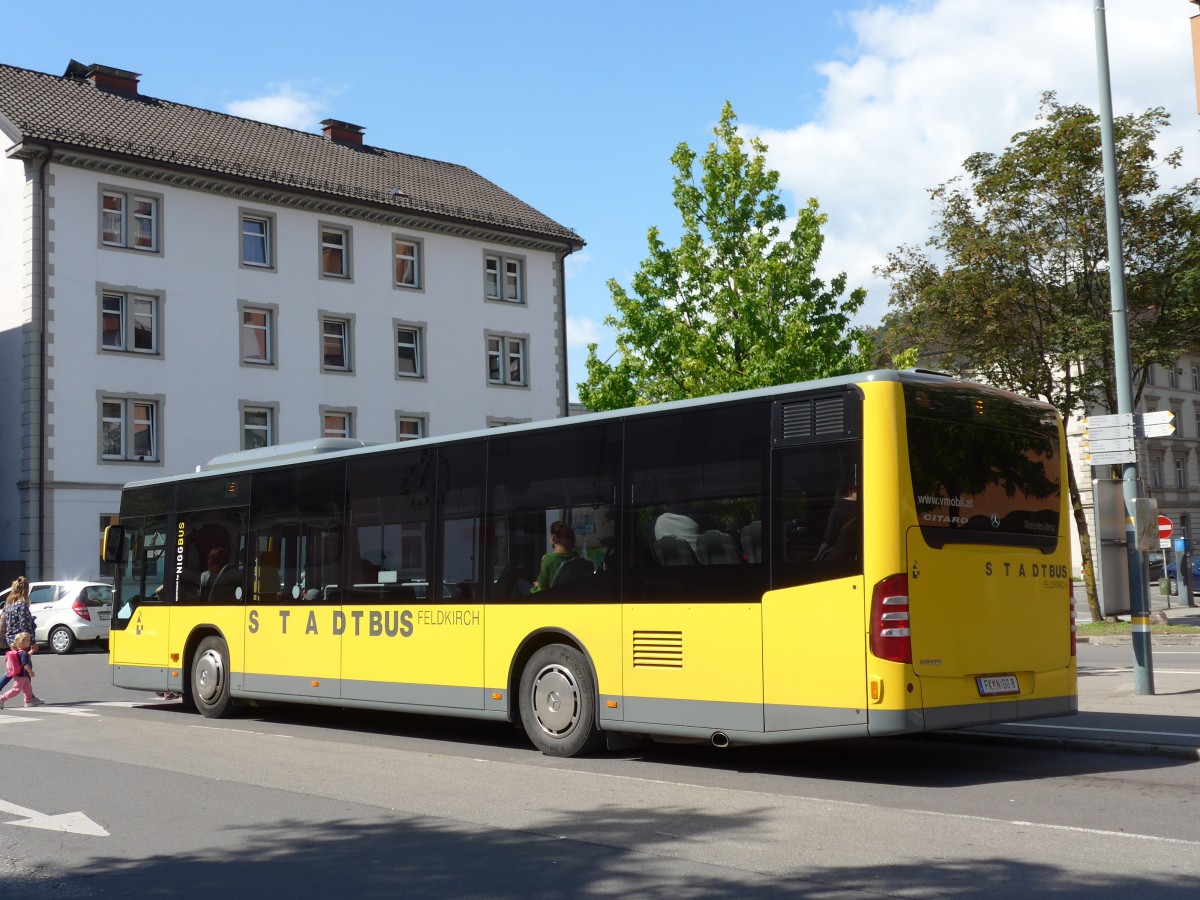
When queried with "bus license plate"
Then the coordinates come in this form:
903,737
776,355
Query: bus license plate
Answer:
997,685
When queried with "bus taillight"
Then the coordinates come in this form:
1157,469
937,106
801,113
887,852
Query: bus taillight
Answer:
891,637
1071,596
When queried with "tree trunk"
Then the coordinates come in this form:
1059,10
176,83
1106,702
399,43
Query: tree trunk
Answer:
1085,543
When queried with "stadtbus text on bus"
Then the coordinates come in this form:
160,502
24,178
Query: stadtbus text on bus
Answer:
877,554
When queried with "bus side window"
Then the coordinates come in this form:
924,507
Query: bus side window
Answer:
697,485
535,481
296,517
459,567
818,505
389,550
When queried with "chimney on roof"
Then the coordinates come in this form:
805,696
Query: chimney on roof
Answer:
105,77
343,132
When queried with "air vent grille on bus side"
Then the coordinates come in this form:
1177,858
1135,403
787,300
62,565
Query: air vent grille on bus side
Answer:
658,649
814,419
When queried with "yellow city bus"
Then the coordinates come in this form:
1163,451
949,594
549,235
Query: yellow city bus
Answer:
877,554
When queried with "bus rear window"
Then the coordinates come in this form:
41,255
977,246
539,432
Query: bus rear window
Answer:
985,467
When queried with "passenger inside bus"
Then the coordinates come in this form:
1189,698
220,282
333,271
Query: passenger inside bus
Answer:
217,557
841,530
562,555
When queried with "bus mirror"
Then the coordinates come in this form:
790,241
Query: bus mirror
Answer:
114,536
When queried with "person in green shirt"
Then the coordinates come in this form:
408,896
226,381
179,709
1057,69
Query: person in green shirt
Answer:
562,548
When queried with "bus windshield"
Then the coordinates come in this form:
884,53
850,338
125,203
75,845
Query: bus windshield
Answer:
985,467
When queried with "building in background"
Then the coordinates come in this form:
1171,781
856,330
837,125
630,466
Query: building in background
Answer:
176,284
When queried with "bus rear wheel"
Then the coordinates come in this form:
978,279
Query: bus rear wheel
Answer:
209,684
557,701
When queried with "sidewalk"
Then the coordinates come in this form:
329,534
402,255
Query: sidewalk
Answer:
1178,612
1112,717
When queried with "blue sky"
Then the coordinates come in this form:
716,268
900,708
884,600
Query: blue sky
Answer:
576,108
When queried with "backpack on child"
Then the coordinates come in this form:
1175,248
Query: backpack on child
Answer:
12,661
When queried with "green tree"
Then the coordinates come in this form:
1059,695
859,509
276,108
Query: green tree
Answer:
737,304
1016,290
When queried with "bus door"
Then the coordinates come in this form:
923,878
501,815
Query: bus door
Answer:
294,618
206,567
814,620
141,616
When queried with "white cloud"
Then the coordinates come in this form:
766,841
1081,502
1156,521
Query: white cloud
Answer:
284,104
929,83
583,331
577,263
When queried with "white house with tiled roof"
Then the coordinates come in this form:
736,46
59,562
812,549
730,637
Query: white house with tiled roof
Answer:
176,284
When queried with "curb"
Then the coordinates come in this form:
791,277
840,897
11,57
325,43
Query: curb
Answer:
1118,640
1078,745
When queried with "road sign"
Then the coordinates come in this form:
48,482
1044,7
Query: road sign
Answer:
1115,422
1165,527
1155,424
1108,440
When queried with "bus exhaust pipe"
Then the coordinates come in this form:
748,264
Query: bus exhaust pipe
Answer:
720,739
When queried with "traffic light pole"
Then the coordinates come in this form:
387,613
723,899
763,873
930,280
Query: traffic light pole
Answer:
1139,605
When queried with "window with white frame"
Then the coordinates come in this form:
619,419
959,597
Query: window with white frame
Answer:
337,423
335,252
506,360
1172,376
503,278
258,425
129,220
409,427
257,237
1196,378
335,344
129,428
1151,379
1156,471
410,351
257,334
130,322
1180,472
408,263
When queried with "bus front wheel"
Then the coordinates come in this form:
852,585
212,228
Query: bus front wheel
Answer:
558,702
210,678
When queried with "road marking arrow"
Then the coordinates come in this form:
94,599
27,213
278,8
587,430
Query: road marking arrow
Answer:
74,822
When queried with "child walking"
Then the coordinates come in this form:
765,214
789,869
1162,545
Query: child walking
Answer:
19,666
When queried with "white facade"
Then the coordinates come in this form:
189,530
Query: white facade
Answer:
192,371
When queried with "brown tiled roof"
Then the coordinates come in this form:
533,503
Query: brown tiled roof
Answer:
71,112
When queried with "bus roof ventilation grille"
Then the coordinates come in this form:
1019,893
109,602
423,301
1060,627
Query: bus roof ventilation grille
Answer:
813,418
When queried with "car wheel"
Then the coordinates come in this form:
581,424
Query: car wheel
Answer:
558,702
1173,586
209,685
62,639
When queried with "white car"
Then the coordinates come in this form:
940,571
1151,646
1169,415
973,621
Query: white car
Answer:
67,612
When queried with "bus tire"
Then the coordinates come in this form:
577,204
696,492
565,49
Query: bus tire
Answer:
558,702
209,683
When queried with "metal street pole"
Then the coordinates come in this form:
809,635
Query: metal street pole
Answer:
1139,605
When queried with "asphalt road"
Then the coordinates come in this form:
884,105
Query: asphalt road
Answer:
106,792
